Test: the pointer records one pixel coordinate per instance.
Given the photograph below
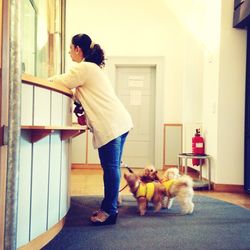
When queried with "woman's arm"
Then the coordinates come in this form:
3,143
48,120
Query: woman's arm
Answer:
73,78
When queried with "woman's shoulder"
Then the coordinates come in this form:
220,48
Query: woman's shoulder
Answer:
85,67
89,65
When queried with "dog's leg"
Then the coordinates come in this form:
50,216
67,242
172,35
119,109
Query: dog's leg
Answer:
164,202
157,201
170,203
142,205
167,202
157,206
119,201
189,206
186,204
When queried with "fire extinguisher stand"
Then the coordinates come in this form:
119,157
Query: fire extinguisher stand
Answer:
200,158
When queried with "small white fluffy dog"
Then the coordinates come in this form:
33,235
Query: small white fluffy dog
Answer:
179,187
171,173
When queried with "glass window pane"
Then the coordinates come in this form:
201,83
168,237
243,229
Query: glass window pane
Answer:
28,44
41,23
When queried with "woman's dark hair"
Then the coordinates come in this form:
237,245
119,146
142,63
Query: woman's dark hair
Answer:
92,52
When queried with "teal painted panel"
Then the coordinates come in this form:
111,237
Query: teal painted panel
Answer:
23,216
41,106
39,196
54,179
67,114
56,109
26,104
64,194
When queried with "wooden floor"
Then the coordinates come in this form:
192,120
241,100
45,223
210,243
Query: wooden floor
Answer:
89,182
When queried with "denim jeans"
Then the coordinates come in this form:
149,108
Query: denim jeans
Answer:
110,156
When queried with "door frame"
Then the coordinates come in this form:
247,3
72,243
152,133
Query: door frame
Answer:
4,94
158,62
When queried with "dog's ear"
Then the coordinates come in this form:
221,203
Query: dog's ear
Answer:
157,178
146,172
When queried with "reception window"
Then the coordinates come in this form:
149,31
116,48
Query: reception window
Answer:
42,27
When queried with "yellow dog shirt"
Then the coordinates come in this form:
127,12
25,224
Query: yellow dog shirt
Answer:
168,183
145,190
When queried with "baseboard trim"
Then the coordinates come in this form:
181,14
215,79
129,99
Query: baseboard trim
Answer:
85,166
44,238
228,188
165,167
191,171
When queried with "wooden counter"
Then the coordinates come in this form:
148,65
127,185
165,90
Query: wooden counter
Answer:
45,160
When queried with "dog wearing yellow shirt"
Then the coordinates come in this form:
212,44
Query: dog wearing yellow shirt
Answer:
179,188
149,174
145,192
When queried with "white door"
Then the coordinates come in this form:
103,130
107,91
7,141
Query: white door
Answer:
135,86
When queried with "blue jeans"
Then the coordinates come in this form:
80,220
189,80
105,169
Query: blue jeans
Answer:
110,156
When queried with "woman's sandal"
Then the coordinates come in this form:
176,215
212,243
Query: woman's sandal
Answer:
103,218
95,213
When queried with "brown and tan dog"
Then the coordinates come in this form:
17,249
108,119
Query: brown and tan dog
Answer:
145,192
149,174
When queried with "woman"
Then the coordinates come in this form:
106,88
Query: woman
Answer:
107,118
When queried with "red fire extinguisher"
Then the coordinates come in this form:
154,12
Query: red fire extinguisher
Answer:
198,147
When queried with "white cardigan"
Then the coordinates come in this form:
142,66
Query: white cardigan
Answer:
106,115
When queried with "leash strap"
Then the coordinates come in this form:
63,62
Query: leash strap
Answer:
123,188
130,171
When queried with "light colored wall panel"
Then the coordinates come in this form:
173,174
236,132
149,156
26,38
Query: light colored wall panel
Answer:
56,109
93,157
39,198
41,106
65,165
27,104
67,115
137,160
54,179
23,217
79,149
173,144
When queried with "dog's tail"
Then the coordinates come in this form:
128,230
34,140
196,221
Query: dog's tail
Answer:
184,181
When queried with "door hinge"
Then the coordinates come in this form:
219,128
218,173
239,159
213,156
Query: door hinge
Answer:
4,135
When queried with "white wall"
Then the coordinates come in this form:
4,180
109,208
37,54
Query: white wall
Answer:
204,63
135,28
211,81
231,100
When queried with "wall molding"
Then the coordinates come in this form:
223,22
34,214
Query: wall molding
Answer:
192,172
85,166
228,188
